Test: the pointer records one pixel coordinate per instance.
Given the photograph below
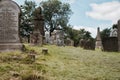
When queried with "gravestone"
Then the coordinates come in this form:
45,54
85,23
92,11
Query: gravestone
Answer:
9,25
113,32
89,44
53,38
98,40
118,35
110,44
69,42
37,37
47,37
60,37
57,37
82,42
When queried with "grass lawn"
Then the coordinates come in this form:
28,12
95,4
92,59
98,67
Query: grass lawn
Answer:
62,63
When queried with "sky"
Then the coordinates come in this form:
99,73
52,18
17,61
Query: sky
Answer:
90,14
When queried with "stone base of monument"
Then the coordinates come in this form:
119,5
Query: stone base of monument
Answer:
10,47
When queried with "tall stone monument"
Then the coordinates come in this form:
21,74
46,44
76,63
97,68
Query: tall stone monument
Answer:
98,39
118,35
38,33
9,26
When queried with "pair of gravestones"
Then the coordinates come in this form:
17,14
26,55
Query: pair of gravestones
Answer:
9,26
57,37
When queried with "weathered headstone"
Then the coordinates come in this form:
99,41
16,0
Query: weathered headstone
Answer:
9,25
69,42
53,38
118,35
47,37
82,42
98,39
57,37
110,44
38,33
89,44
113,32
60,37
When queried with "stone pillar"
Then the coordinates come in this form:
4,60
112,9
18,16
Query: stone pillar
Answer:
119,35
38,33
98,39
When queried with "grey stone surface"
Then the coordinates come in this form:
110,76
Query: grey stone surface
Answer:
118,35
113,32
9,25
37,37
47,37
69,42
57,38
98,40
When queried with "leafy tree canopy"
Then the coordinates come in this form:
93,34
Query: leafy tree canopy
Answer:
105,33
55,14
26,26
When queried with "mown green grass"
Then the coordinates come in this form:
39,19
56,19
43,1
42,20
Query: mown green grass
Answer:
70,63
65,63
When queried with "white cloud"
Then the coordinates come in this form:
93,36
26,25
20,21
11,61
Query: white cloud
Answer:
69,1
90,29
105,11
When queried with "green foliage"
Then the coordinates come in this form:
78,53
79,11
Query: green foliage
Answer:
83,34
26,25
105,33
70,63
55,14
114,26
76,35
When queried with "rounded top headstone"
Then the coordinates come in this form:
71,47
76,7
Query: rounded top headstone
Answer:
5,4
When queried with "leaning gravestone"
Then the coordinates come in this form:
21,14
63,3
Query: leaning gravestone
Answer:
9,26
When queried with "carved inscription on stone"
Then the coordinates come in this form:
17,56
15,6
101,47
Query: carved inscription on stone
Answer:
8,25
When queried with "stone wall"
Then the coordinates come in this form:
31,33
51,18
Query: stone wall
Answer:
110,44
87,44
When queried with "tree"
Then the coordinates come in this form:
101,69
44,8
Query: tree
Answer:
83,34
87,35
76,35
26,26
55,14
105,33
114,26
